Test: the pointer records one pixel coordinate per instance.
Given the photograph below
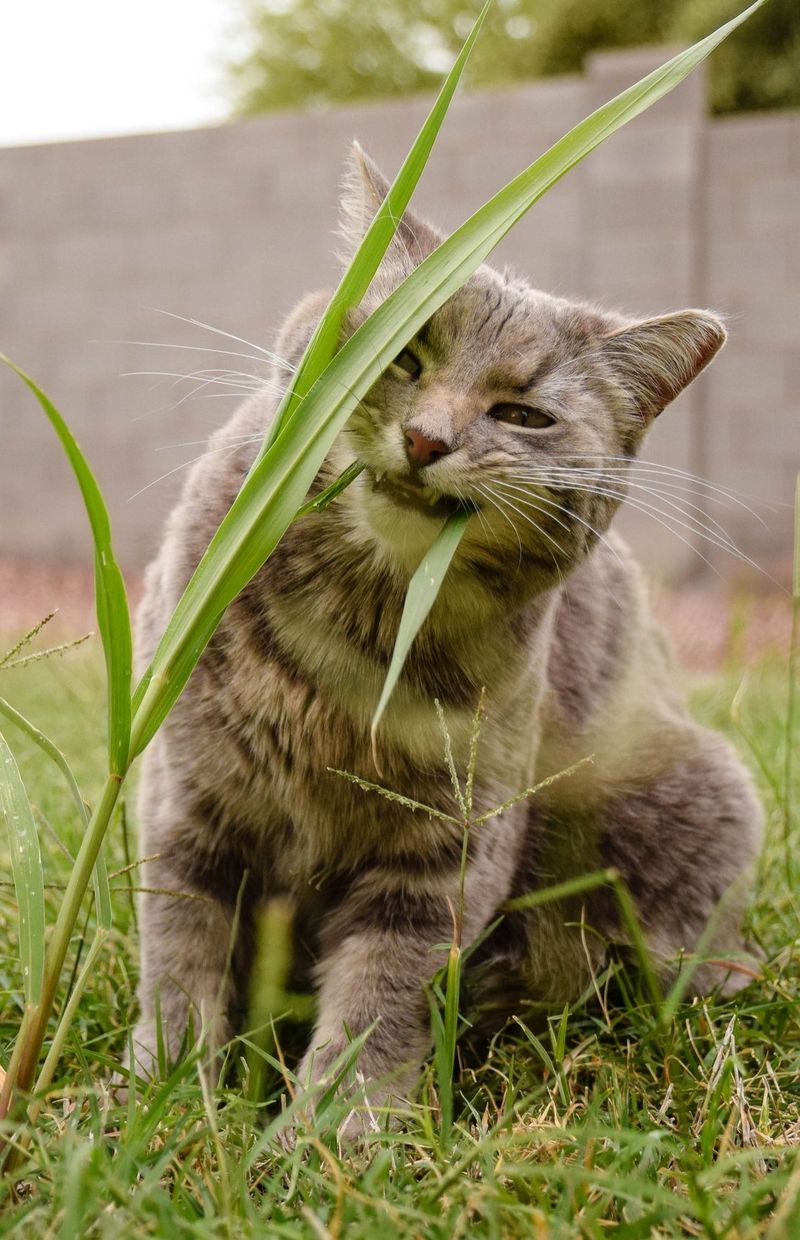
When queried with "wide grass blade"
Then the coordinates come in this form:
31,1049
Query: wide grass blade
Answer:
422,591
26,868
358,276
111,601
279,481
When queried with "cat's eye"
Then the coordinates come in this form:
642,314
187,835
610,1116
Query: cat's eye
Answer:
522,415
407,362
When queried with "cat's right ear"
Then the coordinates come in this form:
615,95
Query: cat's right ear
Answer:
364,188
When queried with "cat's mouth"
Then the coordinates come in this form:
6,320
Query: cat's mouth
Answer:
409,494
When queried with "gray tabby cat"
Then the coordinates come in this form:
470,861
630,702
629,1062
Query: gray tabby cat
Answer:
529,409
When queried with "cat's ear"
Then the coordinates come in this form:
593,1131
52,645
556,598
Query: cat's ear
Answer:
656,359
364,188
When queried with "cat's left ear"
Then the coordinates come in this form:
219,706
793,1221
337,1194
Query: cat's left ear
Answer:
364,188
655,360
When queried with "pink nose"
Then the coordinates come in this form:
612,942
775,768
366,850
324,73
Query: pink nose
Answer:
423,451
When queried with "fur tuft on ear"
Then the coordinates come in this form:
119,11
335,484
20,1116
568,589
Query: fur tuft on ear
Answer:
364,188
656,359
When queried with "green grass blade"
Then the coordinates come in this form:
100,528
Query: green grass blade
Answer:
102,889
65,1022
356,280
26,868
279,481
422,591
320,502
111,602
52,751
791,705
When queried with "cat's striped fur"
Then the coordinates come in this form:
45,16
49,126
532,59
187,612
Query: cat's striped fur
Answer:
542,608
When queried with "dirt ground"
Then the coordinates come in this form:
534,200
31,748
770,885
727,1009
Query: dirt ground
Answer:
710,623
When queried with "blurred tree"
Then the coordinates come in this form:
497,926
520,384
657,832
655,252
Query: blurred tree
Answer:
307,53
759,65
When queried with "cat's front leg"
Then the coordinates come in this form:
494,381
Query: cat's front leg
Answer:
185,982
376,962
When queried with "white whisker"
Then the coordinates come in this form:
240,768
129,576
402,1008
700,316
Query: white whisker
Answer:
662,519
530,521
655,493
273,357
494,504
641,463
229,447
194,443
197,348
253,385
567,512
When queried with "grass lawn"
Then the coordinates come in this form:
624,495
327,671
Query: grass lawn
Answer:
601,1122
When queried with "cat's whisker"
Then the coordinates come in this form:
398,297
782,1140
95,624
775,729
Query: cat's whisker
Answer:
217,376
530,520
494,504
667,485
639,462
602,486
194,443
657,493
228,447
567,512
500,501
197,348
196,393
273,357
718,536
666,480
663,519
484,524
234,388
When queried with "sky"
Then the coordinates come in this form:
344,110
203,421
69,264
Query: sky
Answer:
86,68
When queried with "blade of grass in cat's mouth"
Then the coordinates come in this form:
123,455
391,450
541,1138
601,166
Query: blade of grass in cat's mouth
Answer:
410,494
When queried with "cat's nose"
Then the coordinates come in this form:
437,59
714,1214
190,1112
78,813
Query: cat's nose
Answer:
421,450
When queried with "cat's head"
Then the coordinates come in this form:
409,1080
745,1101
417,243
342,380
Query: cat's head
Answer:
525,407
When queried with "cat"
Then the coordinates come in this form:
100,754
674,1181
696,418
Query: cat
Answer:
526,410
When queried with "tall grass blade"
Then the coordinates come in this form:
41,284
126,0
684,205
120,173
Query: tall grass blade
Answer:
268,985
111,601
356,280
422,591
791,707
65,1023
320,502
101,887
279,481
53,752
26,868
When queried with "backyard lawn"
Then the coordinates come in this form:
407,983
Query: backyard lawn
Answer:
603,1121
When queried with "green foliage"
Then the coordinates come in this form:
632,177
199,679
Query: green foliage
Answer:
591,1123
325,393
760,66
311,53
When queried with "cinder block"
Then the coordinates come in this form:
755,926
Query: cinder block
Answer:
771,320
745,146
771,205
650,209
646,276
745,377
658,152
228,225
737,266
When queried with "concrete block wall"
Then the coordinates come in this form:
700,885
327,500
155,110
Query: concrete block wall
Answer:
231,225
